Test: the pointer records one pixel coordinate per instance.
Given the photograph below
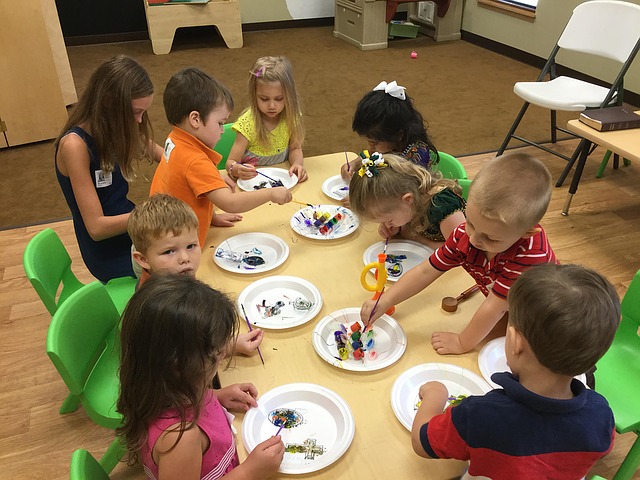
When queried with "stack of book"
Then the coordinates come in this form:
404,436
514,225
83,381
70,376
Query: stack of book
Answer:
609,119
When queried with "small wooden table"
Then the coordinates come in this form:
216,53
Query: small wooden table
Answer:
381,447
623,142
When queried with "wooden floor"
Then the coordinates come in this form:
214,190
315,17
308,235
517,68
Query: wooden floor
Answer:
602,232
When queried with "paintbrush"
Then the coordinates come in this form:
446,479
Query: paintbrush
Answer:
250,329
268,177
346,159
301,203
280,429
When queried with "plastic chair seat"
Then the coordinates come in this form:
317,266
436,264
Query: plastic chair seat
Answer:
85,467
121,290
562,93
450,167
224,145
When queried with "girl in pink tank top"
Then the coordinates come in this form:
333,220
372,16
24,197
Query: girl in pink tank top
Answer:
174,336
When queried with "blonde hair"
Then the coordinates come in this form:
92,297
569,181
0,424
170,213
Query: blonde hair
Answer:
514,189
276,69
158,215
382,191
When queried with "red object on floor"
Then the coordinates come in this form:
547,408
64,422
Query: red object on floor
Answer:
392,7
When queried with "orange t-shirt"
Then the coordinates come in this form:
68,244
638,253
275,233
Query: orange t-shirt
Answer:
188,171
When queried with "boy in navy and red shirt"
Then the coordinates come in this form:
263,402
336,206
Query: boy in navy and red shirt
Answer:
500,239
542,423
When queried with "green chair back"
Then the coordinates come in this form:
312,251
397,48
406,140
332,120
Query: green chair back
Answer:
121,290
48,265
618,372
464,183
223,147
85,467
450,167
83,344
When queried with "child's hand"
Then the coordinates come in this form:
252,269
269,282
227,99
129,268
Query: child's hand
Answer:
299,171
346,171
280,195
244,171
248,343
345,202
239,396
225,219
265,459
433,392
387,232
365,312
447,343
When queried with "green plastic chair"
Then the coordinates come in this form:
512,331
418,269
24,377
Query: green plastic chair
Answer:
223,147
605,160
450,167
464,183
85,467
617,376
48,265
83,345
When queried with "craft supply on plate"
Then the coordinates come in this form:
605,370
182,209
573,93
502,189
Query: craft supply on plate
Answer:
324,222
268,177
450,304
381,278
335,187
250,253
402,256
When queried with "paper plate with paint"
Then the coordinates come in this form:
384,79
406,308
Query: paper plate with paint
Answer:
339,340
402,256
249,253
268,178
492,359
335,187
317,425
324,222
459,381
280,302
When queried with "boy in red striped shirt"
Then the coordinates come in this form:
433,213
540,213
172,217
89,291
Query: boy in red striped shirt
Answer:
500,239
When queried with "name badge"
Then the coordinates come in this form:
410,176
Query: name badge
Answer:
168,147
103,179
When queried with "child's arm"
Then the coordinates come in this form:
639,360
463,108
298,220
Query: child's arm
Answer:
73,161
412,282
488,314
239,396
238,202
296,160
434,397
184,461
158,152
235,168
262,462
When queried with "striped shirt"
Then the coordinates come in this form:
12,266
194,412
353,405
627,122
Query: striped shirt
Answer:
499,273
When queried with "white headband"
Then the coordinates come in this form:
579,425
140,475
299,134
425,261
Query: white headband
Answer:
392,89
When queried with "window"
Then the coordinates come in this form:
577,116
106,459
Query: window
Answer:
525,9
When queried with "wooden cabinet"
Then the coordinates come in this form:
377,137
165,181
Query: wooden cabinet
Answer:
362,23
35,77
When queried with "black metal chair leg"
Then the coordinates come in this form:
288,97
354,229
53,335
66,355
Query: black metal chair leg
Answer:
554,133
584,153
514,126
569,166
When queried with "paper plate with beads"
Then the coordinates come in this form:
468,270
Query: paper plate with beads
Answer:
280,302
250,253
340,339
335,187
324,222
317,425
402,256
459,381
492,359
268,178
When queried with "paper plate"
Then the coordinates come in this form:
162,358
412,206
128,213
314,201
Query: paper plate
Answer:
335,187
390,341
492,359
458,380
275,173
319,425
347,225
271,249
285,289
415,254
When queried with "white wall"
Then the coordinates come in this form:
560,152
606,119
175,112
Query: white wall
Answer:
539,37
258,11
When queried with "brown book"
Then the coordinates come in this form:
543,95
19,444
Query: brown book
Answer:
612,118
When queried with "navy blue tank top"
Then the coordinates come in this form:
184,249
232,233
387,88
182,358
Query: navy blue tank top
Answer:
109,258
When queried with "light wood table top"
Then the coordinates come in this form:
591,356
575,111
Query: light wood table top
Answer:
623,142
381,447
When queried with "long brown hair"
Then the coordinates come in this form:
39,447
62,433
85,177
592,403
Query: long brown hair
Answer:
173,330
106,107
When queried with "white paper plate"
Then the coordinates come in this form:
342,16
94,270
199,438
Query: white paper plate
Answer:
279,288
415,252
273,250
492,359
346,226
275,173
335,187
325,418
458,380
389,337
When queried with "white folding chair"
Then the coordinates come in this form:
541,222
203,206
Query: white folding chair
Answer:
604,28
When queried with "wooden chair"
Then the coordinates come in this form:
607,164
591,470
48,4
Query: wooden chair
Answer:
163,20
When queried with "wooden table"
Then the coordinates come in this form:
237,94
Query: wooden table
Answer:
623,142
381,447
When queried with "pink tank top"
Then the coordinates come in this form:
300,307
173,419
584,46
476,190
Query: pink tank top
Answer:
220,458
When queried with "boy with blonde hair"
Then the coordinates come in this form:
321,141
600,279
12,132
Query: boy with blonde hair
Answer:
500,239
164,231
542,423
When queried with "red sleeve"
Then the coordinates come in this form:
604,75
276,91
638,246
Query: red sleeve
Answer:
440,439
449,256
